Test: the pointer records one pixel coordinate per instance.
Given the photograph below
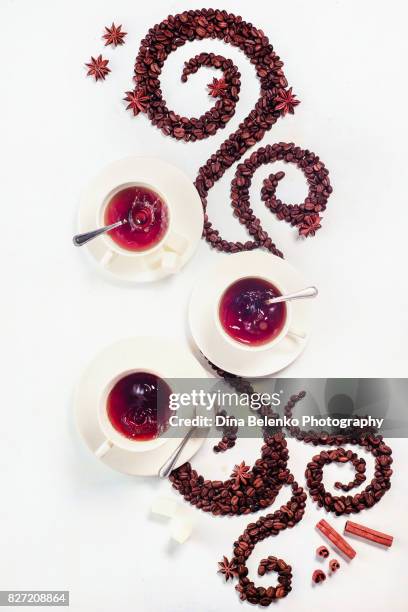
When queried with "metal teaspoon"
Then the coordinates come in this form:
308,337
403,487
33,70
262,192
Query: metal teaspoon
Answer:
309,292
81,239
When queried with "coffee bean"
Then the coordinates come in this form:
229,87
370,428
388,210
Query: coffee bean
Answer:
265,601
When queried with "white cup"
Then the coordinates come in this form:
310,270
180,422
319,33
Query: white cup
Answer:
166,254
114,437
286,328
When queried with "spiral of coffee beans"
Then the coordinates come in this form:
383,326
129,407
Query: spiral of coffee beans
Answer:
245,492
250,489
275,100
344,504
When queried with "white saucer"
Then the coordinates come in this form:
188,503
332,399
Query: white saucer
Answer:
187,219
155,354
202,320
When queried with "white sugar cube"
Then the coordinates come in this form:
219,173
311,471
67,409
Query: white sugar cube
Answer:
181,527
170,261
164,506
176,243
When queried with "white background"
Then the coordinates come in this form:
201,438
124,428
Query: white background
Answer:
66,521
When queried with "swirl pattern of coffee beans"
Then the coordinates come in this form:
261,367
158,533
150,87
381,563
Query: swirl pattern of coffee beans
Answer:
345,504
275,100
249,490
235,496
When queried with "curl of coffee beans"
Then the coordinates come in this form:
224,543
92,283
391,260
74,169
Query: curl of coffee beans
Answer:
314,471
285,517
250,491
295,214
174,32
344,504
240,385
229,435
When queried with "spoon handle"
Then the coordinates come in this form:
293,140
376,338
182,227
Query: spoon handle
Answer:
309,292
81,239
169,463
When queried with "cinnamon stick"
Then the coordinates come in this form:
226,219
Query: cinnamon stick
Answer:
335,538
368,534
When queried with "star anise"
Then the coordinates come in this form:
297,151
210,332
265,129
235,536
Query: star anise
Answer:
218,88
137,101
114,35
310,225
98,68
285,101
241,473
228,568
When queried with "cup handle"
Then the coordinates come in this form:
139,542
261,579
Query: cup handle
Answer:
107,258
297,334
176,243
103,449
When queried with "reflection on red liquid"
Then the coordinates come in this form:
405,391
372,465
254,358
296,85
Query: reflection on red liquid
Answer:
138,406
147,216
244,314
